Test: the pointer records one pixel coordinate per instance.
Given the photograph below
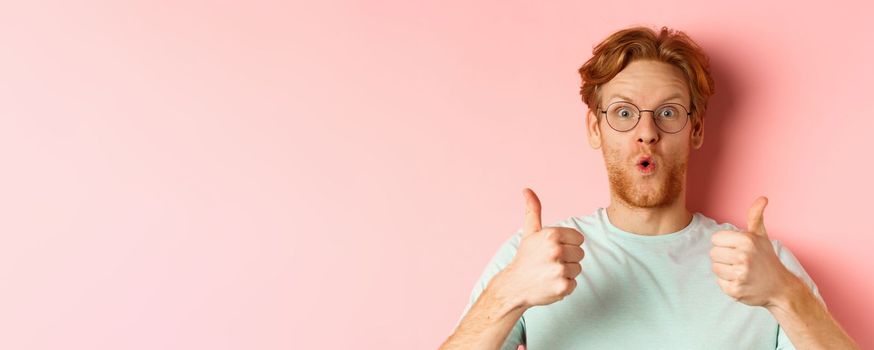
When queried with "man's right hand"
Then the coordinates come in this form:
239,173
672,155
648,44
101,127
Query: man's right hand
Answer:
542,272
547,261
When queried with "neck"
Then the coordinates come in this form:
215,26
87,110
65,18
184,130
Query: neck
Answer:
649,221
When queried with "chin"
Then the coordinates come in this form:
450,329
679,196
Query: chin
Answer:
650,201
650,192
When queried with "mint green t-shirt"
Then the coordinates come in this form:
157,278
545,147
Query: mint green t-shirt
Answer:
644,292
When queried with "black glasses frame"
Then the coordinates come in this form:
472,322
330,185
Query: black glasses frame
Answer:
640,116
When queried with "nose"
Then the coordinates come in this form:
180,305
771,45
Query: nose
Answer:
647,131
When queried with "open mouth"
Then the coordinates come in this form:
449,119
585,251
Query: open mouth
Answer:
646,164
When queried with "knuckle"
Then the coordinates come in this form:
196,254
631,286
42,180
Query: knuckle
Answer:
565,286
733,289
553,234
558,271
555,252
560,287
563,271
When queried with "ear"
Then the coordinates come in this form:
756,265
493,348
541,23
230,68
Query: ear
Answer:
697,131
593,129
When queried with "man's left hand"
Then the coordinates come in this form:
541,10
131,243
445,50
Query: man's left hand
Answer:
746,266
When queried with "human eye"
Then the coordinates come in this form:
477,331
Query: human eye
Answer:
622,111
668,112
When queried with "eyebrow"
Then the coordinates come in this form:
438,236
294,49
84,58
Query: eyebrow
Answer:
628,99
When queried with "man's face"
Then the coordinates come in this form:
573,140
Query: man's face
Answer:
646,166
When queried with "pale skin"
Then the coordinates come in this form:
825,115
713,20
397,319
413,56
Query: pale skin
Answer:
548,259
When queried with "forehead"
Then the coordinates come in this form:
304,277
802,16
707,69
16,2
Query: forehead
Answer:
646,83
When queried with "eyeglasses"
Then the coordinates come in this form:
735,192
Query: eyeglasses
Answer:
623,116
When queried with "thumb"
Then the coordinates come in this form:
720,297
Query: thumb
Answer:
532,212
755,218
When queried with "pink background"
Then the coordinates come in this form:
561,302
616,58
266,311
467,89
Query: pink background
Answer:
270,175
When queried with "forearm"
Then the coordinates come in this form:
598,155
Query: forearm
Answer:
807,322
487,323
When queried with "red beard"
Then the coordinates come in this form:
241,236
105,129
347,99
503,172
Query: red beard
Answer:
661,192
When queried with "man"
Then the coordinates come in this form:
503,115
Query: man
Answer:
655,276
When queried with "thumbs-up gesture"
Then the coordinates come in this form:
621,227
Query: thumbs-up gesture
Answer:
547,260
745,264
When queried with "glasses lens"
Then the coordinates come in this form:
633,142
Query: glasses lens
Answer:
671,117
622,116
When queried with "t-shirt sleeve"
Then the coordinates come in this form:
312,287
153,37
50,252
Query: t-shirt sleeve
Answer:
791,263
499,261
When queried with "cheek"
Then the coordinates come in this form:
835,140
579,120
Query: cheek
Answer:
681,146
614,142
678,152
613,150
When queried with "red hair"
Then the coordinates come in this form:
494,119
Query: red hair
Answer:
641,43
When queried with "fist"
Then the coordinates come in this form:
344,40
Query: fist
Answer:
746,266
547,261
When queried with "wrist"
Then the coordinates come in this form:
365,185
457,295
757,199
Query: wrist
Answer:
501,290
789,296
